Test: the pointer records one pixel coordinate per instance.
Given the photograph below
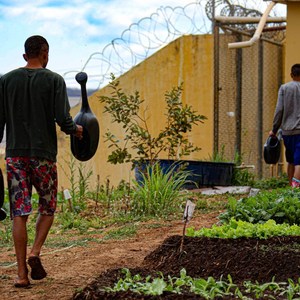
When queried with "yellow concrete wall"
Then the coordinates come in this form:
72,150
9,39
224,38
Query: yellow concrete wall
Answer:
292,37
188,59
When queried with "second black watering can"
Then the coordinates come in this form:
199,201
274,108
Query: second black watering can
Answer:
85,148
272,149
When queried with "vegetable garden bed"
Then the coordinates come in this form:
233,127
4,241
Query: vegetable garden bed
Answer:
275,259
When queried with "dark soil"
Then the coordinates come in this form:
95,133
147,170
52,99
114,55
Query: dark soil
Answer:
244,259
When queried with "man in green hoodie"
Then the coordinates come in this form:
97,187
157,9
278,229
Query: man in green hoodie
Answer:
33,100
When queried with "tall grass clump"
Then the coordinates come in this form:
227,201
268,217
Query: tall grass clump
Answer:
158,191
79,176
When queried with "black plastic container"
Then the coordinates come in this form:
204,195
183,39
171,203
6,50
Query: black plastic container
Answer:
204,173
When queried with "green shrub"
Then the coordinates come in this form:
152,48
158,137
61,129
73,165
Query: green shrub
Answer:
138,143
281,205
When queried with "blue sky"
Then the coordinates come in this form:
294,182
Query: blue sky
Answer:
74,29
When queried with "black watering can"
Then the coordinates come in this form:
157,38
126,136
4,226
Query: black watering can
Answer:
2,211
85,148
272,149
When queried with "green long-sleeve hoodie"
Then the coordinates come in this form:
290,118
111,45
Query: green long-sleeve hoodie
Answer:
32,102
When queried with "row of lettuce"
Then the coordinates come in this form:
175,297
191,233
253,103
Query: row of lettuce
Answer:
267,214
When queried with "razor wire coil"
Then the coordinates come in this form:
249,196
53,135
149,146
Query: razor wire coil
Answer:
142,39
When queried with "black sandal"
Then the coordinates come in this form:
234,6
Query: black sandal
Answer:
37,270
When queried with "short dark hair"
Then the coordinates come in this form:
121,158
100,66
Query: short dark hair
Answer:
34,45
295,70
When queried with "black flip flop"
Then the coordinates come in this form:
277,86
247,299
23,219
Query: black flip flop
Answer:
37,270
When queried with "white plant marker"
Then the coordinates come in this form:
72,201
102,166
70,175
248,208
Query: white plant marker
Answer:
68,197
67,194
187,215
189,210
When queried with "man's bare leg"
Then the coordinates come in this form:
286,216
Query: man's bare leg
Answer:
43,225
20,243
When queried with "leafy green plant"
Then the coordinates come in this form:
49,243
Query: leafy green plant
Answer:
126,111
272,183
281,205
243,177
209,288
83,181
219,156
237,229
159,192
71,220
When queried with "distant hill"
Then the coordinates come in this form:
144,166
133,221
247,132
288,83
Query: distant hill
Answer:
75,92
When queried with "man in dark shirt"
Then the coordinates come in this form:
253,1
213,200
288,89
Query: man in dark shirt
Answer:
33,100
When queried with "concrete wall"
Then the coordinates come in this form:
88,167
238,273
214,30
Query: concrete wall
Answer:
188,59
292,37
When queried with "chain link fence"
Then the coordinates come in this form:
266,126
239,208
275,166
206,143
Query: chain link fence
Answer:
246,79
247,82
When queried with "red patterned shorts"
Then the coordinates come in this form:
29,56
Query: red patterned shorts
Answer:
22,174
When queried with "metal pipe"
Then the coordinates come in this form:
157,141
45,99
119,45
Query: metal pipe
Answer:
258,31
248,34
260,107
239,91
215,30
248,20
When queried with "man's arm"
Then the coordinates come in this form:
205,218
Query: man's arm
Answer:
2,112
62,111
278,112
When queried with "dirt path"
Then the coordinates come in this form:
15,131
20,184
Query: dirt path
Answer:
75,267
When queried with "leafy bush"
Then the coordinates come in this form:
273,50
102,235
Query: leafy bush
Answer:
281,205
172,140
